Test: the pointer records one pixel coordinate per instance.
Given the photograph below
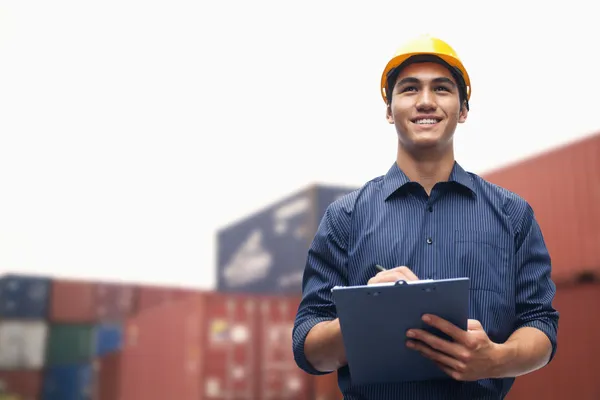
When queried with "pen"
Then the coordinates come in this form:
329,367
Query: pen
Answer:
380,268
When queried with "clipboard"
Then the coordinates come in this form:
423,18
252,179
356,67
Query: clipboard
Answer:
374,320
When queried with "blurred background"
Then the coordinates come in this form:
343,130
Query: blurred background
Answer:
164,166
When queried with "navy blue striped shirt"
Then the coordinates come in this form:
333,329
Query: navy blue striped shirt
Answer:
465,227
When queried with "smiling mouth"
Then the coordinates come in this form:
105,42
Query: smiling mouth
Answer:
426,121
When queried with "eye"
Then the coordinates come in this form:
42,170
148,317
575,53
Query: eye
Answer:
442,88
407,89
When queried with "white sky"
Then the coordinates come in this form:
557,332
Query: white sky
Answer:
131,130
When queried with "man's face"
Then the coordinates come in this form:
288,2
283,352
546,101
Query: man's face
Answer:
425,107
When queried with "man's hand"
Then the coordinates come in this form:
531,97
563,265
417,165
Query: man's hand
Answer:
393,275
471,357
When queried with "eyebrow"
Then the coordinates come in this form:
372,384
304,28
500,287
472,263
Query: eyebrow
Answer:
411,79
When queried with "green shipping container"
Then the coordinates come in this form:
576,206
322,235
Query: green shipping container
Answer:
69,343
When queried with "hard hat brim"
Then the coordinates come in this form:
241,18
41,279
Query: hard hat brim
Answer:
400,59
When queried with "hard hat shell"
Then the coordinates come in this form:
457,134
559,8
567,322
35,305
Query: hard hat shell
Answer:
426,45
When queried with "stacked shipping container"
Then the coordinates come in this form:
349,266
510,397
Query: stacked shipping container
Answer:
563,187
79,340
23,331
266,252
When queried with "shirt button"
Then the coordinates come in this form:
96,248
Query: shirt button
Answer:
429,240
430,209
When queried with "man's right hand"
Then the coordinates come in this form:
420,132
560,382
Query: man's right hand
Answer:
393,275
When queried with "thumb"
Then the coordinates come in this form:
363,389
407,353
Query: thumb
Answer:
474,325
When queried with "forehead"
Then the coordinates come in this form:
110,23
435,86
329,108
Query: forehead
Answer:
425,71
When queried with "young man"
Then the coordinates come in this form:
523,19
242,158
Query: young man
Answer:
427,218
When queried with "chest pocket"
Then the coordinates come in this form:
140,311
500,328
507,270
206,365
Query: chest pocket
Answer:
484,257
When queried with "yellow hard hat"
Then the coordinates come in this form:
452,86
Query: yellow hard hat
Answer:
425,45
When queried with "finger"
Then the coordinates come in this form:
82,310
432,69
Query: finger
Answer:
388,276
451,372
474,325
406,272
455,350
447,327
437,356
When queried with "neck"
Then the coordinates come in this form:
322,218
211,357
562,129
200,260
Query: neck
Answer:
427,168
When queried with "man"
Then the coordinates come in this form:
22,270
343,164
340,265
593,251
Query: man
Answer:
428,218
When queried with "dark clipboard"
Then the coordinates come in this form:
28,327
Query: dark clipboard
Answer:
374,320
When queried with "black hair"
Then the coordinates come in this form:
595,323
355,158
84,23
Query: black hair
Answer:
456,74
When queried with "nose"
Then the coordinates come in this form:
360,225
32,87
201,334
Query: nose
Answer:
425,101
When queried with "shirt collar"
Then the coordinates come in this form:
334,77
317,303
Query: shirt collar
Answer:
396,179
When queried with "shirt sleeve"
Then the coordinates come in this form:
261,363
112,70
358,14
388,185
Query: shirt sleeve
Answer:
535,289
325,268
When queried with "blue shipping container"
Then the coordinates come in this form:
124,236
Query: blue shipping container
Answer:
24,297
68,382
109,339
266,252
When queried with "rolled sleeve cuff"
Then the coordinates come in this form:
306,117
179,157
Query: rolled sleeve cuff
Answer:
299,338
548,328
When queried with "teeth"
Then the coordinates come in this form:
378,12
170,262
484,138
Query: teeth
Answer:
426,121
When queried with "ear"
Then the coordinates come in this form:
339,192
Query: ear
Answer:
462,117
388,114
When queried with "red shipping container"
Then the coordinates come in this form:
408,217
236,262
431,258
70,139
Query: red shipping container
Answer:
72,301
563,187
573,374
212,346
280,376
26,384
152,296
114,302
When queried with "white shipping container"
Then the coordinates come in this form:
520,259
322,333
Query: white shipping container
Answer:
22,344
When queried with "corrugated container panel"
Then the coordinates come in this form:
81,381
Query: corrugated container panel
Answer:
22,344
24,296
152,296
114,302
163,348
70,344
326,387
573,374
72,301
108,373
109,339
265,253
563,187
69,382
231,348
280,376
26,384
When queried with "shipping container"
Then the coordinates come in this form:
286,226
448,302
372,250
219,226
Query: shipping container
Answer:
114,302
563,187
72,301
108,339
22,344
152,296
24,296
27,385
162,348
70,344
211,346
69,382
280,376
573,373
265,253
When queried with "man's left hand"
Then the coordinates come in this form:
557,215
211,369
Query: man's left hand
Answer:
472,355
